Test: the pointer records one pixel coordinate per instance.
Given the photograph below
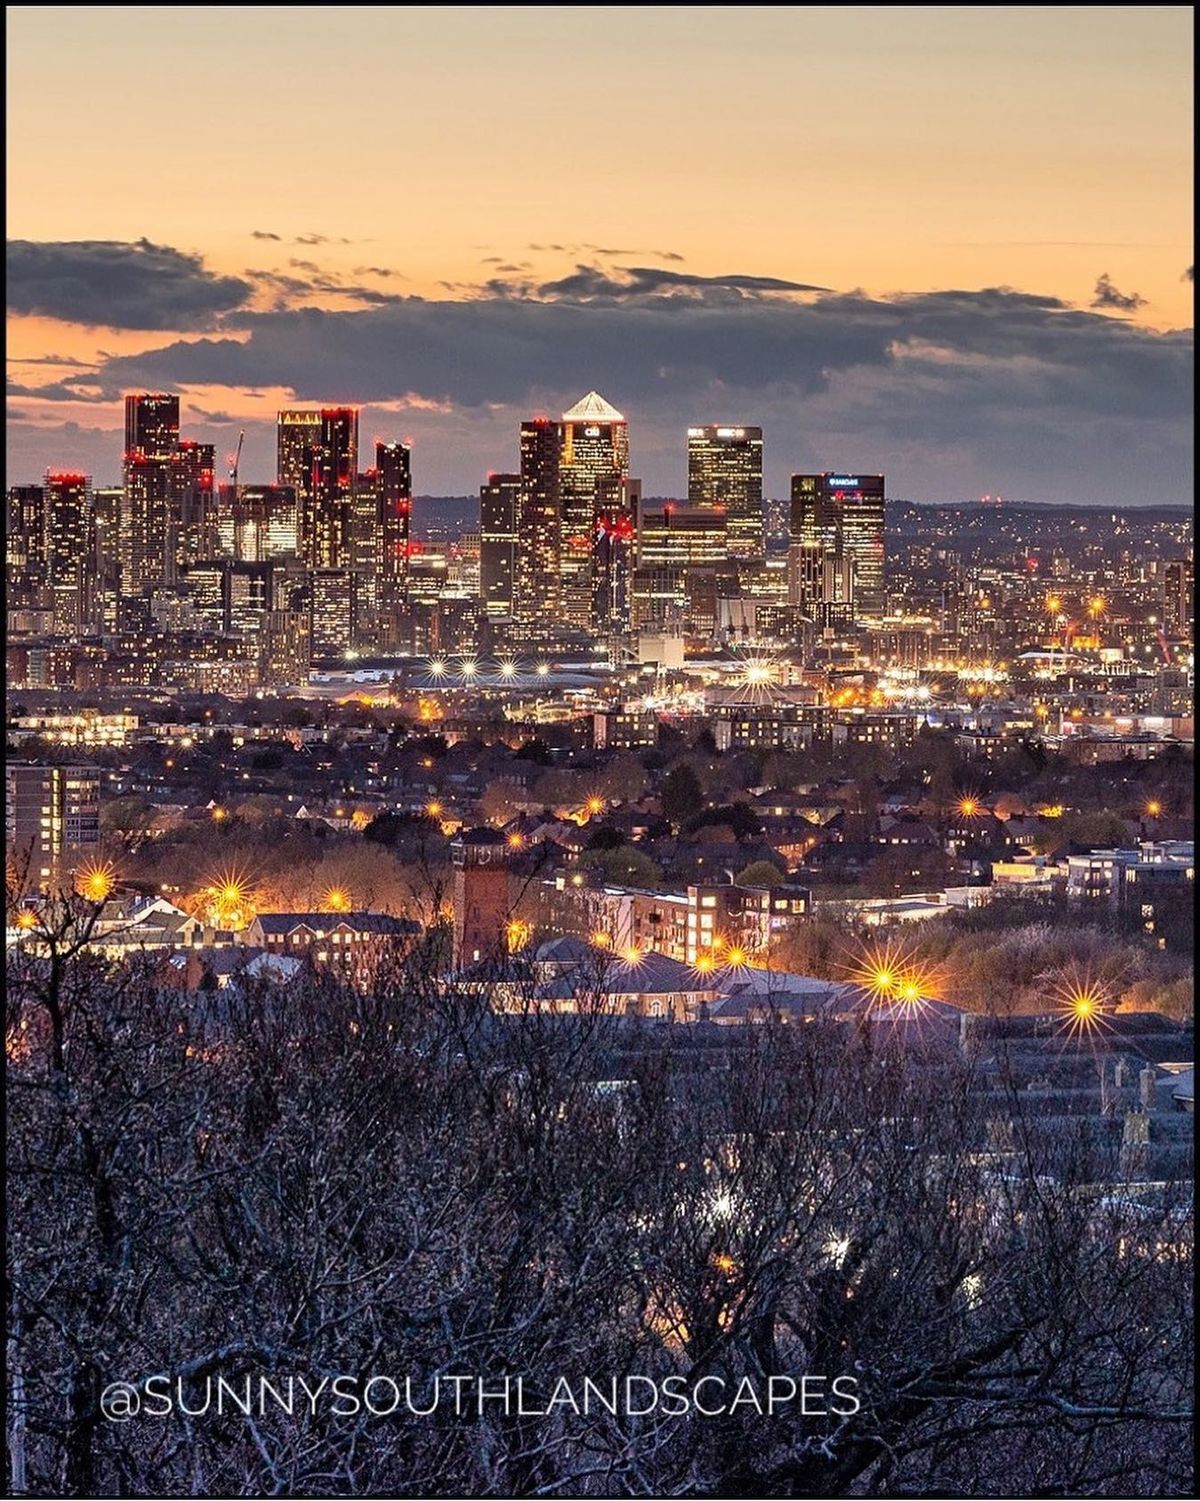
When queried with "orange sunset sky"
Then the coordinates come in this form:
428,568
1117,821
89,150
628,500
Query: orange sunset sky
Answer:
951,243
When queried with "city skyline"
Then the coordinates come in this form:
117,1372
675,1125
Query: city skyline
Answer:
869,307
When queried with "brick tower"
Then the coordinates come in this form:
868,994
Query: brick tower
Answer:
481,900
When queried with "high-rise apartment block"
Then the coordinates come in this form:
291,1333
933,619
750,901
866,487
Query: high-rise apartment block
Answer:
318,457
149,515
393,519
49,811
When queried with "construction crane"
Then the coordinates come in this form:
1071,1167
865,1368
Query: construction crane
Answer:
237,459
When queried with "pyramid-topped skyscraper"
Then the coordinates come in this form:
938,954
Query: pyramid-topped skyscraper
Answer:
593,408
593,469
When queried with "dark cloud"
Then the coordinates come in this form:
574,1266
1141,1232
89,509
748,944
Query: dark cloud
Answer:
950,393
384,271
1107,296
115,284
85,386
264,234
47,359
639,281
317,283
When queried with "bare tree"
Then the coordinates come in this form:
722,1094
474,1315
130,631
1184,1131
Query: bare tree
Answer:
395,1178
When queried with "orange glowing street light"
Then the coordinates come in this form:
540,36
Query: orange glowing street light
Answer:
434,809
593,806
517,935
516,841
26,920
96,883
969,807
1053,604
337,899
1154,808
736,957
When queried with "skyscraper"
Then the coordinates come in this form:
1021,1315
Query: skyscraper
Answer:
108,504
840,517
151,425
69,550
332,612
614,553
725,473
297,437
536,582
676,544
149,517
1177,596
257,523
25,537
499,507
318,457
595,447
194,502
393,491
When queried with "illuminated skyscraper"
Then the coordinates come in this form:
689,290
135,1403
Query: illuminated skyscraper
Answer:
108,502
332,611
147,536
1178,594
151,425
595,448
149,516
318,457
675,545
69,550
536,582
194,502
841,518
614,554
499,506
725,473
297,438
393,491
257,523
25,538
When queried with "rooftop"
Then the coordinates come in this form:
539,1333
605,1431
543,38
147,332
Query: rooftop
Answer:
592,408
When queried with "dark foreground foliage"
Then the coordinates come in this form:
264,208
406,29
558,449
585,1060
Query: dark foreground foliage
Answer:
324,1182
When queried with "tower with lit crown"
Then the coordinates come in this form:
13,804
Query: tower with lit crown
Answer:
594,453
